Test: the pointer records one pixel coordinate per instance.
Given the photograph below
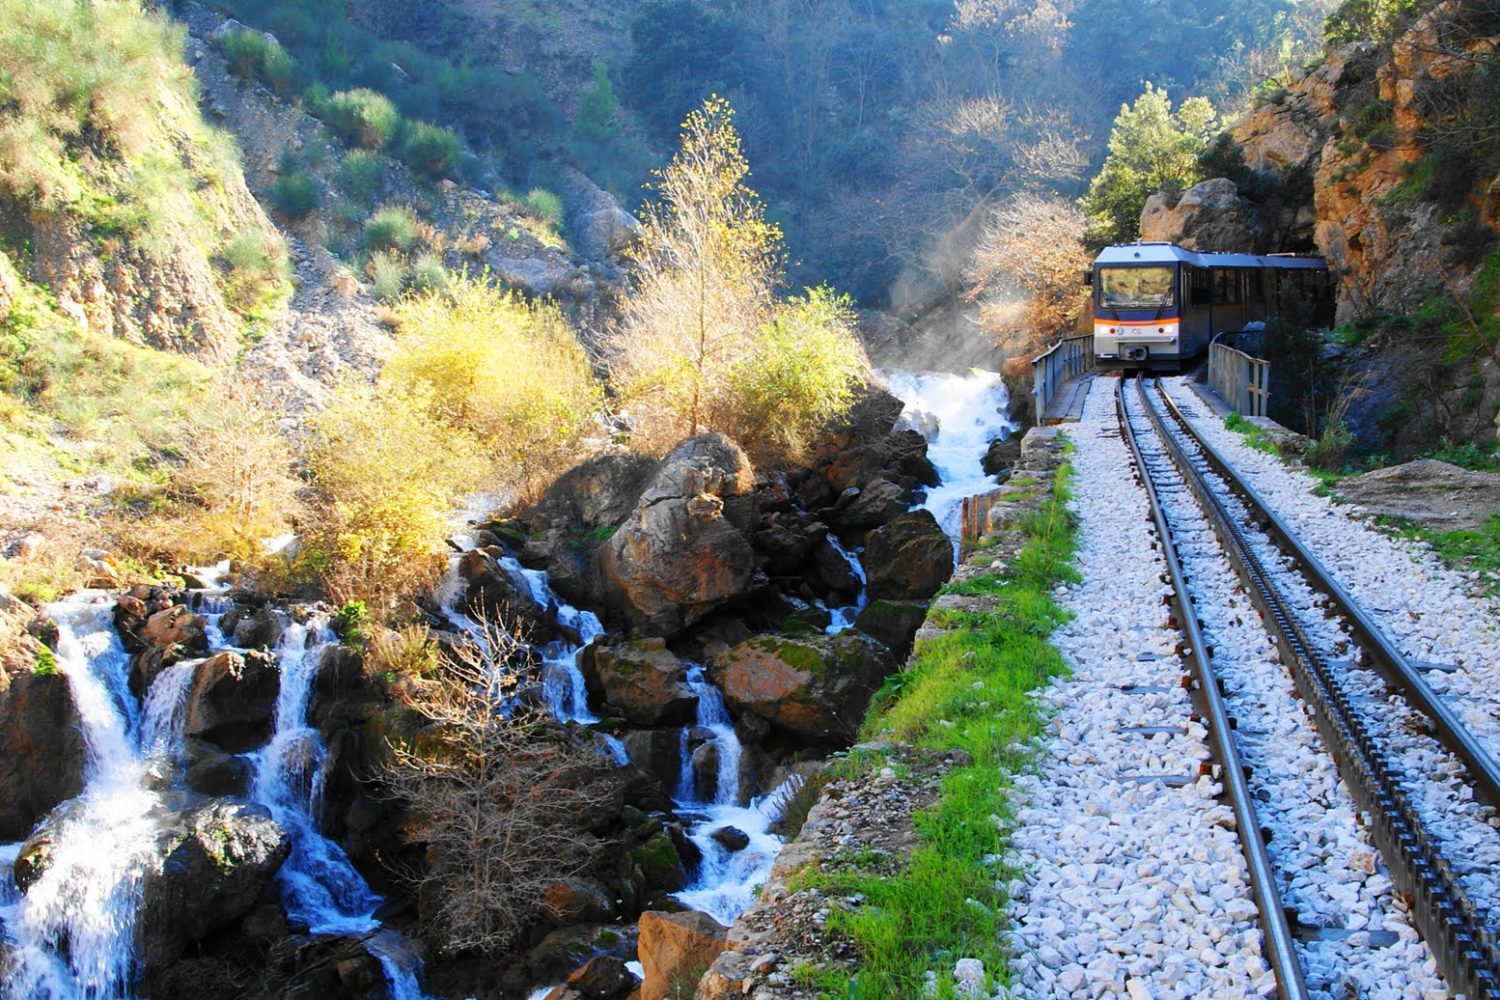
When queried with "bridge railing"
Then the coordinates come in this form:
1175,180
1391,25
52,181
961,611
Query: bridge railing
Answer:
1067,359
1242,381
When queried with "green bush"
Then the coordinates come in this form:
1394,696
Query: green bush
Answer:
428,274
253,55
387,273
431,149
362,117
295,195
545,204
258,271
46,662
352,623
390,229
361,175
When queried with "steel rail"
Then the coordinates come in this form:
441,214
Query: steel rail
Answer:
1280,944
1392,665
1465,949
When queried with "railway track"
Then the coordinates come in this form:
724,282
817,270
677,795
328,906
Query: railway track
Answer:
1417,848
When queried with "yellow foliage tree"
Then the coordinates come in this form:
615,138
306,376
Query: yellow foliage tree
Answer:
704,344
708,265
387,474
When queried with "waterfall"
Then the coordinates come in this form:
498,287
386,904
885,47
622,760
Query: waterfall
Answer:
319,884
162,715
73,933
959,415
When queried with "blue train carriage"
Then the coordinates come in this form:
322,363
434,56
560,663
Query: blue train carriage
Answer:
1157,306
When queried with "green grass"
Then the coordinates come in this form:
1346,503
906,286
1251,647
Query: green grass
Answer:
967,690
1254,436
1469,551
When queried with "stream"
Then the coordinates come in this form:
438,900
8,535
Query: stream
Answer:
71,937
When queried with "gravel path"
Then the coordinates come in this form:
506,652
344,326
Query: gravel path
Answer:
1133,886
1330,873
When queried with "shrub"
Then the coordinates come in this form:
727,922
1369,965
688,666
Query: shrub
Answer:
802,372
428,274
385,474
408,651
546,205
46,662
258,271
387,274
508,374
233,485
500,791
390,229
351,623
431,149
362,117
295,195
254,55
361,175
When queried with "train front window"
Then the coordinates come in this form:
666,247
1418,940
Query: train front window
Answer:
1136,287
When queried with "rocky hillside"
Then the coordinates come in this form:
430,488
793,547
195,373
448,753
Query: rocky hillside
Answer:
1383,159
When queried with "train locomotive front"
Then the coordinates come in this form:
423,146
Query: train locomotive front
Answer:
1157,306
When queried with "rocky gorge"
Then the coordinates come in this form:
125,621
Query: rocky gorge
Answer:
738,625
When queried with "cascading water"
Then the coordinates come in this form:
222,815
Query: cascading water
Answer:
843,618
73,933
319,885
727,879
959,415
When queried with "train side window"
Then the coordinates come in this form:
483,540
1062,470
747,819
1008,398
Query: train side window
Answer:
1226,286
1199,286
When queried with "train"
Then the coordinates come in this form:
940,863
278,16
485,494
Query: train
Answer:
1157,306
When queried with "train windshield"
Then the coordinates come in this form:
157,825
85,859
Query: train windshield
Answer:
1136,287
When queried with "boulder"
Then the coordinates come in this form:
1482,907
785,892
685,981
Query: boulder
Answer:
597,226
576,901
42,751
679,555
644,682
603,978
212,772
815,687
657,752
577,515
732,839
232,702
253,629
497,591
659,864
1209,216
894,623
862,508
1002,455
217,860
909,558
784,551
676,949
1432,493
833,571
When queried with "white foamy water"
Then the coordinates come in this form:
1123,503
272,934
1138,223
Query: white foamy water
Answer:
959,415
843,618
319,884
72,934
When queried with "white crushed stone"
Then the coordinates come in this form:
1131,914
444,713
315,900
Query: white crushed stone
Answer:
1130,887
1330,872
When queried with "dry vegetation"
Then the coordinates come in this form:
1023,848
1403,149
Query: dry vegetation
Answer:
496,793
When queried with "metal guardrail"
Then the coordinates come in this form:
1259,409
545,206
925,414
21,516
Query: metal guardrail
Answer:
1067,359
1242,381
